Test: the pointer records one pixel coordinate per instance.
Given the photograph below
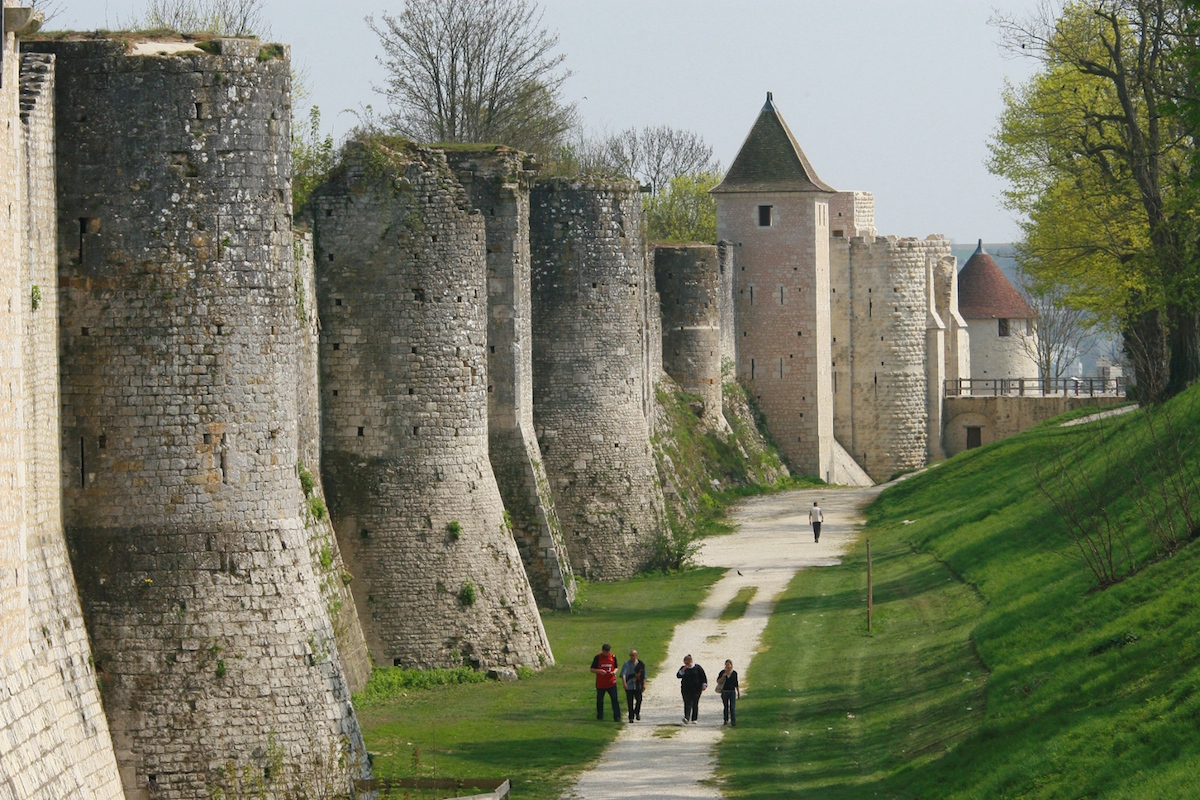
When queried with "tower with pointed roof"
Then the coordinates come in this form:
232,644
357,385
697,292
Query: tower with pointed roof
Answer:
844,338
775,209
1003,326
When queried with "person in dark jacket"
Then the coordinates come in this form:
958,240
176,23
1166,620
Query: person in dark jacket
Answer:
633,674
604,665
692,683
727,684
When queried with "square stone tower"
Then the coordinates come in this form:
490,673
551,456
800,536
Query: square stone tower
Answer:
775,211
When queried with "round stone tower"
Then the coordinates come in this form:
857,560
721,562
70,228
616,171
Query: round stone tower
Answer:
402,293
590,335
179,346
688,278
1003,326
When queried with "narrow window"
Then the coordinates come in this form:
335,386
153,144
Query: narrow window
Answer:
1004,329
781,369
751,378
82,465
360,432
764,216
751,295
780,295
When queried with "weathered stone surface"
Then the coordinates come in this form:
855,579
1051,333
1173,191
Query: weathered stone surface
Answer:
55,740
593,374
688,279
331,571
403,303
497,184
179,355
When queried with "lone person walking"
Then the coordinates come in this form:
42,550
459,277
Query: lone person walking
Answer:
816,518
633,674
727,683
605,667
692,683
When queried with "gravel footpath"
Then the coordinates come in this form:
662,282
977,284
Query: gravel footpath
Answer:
661,757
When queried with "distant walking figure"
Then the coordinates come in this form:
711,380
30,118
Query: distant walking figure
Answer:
727,684
605,667
816,518
692,683
633,673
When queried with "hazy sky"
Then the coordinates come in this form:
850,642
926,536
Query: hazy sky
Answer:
897,97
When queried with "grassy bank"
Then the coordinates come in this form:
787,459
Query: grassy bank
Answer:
1091,689
541,730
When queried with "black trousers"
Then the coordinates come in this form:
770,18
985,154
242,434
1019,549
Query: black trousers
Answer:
633,702
616,705
816,531
729,704
691,705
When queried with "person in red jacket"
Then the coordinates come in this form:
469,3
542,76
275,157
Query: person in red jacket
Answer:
605,667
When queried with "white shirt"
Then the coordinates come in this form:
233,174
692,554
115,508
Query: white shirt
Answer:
815,515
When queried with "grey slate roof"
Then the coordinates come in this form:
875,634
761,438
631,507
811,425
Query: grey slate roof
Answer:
770,160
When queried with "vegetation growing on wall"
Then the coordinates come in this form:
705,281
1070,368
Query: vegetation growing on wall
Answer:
704,470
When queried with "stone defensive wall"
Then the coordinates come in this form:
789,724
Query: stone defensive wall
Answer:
726,268
688,279
1000,417
881,310
180,358
497,183
591,370
403,301
331,571
56,741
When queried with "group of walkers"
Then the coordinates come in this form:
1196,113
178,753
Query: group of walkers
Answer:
693,682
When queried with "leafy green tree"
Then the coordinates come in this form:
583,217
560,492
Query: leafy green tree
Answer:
684,211
1093,153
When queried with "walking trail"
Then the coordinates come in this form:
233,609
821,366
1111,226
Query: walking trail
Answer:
659,757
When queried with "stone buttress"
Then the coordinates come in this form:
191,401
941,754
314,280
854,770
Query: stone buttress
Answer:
331,571
688,279
402,292
179,348
590,370
498,184
56,741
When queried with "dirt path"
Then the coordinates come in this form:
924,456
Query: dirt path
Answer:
659,757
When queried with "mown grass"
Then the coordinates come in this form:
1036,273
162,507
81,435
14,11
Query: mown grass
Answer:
738,605
539,731
1090,692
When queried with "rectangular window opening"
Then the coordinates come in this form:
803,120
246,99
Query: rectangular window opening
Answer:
1004,327
764,216
974,437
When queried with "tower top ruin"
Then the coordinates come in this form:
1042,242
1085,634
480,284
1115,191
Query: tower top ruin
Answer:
771,160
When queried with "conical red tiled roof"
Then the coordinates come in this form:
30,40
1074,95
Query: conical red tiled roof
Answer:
985,293
771,160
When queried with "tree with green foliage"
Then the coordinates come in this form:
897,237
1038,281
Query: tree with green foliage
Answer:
474,71
312,157
684,211
1096,159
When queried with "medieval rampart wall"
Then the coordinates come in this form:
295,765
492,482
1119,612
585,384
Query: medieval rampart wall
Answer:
783,318
55,736
688,278
498,184
403,301
591,317
727,268
179,362
890,302
331,571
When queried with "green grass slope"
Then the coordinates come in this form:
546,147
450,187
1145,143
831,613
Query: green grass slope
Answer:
542,729
1089,692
